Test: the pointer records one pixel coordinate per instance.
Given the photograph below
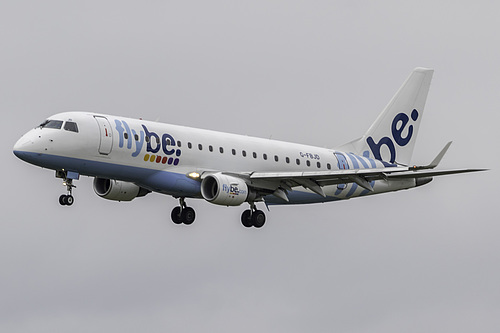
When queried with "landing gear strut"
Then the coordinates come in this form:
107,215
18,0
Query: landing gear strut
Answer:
183,213
67,199
253,217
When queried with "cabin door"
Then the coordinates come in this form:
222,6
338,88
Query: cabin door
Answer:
106,141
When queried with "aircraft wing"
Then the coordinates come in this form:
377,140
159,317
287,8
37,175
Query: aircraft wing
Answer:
278,182
422,174
314,180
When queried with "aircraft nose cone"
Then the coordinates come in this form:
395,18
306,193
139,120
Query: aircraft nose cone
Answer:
19,145
22,145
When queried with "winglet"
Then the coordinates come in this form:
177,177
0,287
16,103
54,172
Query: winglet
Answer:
439,157
435,162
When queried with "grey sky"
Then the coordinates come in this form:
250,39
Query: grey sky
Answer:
315,72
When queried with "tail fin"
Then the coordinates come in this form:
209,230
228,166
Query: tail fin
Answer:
391,138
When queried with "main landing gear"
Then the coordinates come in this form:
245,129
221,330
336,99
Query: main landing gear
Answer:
66,199
183,213
253,217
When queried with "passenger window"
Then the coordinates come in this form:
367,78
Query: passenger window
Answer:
125,135
328,166
318,164
297,161
308,163
178,144
244,153
254,155
190,145
147,139
56,124
287,159
264,156
200,147
221,150
71,126
234,151
211,148
276,158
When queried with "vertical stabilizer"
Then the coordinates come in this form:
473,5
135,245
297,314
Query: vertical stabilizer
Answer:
391,138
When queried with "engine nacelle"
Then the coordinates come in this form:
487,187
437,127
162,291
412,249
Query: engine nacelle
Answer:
225,190
117,190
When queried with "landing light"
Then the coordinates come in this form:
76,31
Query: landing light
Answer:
194,175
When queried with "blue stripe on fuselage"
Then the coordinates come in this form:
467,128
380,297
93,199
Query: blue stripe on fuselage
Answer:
156,180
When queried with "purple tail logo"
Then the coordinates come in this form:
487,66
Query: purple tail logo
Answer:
398,126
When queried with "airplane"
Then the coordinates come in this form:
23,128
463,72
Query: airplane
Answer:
130,158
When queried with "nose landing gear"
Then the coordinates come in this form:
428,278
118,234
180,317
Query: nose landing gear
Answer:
67,176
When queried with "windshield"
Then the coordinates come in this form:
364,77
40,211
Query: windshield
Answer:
57,124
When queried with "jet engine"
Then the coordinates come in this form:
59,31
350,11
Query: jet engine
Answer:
117,190
225,190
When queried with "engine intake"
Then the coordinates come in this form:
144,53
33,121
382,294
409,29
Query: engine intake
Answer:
225,190
117,190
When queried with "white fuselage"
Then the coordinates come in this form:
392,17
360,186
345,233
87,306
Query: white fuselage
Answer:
159,156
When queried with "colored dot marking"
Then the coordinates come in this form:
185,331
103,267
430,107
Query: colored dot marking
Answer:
176,161
146,157
164,160
152,159
158,159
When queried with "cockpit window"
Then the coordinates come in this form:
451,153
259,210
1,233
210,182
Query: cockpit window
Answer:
71,126
57,124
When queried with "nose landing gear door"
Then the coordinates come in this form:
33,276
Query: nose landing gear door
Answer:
106,141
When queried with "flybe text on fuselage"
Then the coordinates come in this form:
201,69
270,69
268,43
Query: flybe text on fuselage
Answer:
154,143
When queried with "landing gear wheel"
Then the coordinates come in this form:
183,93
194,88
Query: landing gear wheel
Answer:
258,219
188,215
253,217
69,200
246,218
66,200
183,213
176,215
